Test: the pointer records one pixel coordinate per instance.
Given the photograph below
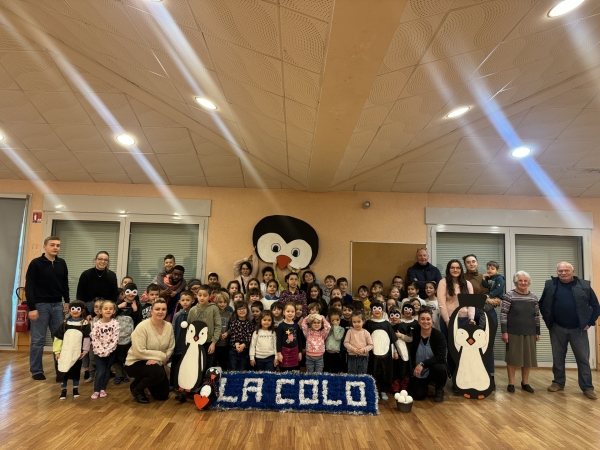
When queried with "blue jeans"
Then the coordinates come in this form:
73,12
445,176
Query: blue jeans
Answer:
357,365
103,364
238,361
50,315
580,344
265,364
314,364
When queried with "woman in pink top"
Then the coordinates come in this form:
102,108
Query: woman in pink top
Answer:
453,284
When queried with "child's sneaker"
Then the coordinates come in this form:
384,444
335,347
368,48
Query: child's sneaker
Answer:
125,380
90,378
95,395
63,394
75,392
103,393
117,381
86,375
384,397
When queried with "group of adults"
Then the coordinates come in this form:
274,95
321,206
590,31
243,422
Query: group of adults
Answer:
568,305
47,287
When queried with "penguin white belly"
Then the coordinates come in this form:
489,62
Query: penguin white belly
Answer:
71,349
471,372
205,391
381,342
189,367
402,349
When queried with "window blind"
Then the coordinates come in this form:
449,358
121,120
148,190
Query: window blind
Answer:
150,242
538,256
487,247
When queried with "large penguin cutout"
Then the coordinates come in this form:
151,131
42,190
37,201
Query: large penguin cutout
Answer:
190,373
210,389
285,243
471,346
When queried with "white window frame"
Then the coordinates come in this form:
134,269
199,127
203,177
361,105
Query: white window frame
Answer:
510,258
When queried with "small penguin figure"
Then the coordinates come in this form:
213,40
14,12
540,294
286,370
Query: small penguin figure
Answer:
471,346
209,391
190,372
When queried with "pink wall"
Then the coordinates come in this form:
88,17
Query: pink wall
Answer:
338,217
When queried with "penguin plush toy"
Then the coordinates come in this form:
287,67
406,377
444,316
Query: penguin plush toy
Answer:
285,243
471,346
209,391
190,372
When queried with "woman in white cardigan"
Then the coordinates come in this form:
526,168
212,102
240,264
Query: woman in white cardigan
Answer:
152,343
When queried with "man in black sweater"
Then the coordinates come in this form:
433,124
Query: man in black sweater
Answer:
46,285
569,307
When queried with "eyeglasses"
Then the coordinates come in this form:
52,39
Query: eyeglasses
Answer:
102,259
455,268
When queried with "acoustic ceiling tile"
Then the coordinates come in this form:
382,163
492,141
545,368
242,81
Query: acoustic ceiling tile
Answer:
252,98
298,153
58,7
571,191
247,23
120,178
591,160
16,107
374,186
319,9
136,163
81,138
546,123
460,173
80,177
191,76
228,130
529,191
149,117
220,166
222,113
567,153
246,65
410,43
476,150
579,178
141,144
488,190
145,178
59,107
260,183
95,163
440,154
10,40
545,179
387,87
372,118
107,109
261,144
58,160
499,175
83,81
35,135
205,147
492,130
177,11
36,176
303,40
301,116
358,145
302,85
257,124
299,138
6,81
170,140
411,188
419,172
34,71
149,81
460,189
188,181
225,182
180,165
20,160
417,9
299,172
274,159
584,127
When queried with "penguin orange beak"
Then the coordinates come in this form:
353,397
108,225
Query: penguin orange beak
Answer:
471,341
195,338
213,376
283,261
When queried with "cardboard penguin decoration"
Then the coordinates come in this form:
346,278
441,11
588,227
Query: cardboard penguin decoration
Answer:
209,391
285,243
190,372
471,346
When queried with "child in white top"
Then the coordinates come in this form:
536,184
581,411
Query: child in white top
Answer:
432,303
105,337
263,346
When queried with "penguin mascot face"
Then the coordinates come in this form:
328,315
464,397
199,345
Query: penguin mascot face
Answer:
191,367
407,310
286,241
210,389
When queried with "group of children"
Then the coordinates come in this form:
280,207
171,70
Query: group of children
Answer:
320,327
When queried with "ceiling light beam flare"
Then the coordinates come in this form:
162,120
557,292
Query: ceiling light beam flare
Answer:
458,112
564,7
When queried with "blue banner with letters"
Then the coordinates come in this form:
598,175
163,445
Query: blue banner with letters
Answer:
301,392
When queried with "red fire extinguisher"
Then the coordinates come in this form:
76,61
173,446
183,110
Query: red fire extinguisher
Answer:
22,324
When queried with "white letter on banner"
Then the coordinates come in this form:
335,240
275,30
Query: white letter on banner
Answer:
326,401
222,396
349,399
256,389
278,399
315,392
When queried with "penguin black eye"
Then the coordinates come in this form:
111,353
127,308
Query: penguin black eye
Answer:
276,247
295,252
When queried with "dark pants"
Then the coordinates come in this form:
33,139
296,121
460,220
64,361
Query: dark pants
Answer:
333,362
238,360
265,364
222,356
418,387
357,365
152,377
559,339
103,364
175,359
120,357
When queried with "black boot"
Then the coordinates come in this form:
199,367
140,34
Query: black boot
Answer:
439,396
75,392
140,396
63,394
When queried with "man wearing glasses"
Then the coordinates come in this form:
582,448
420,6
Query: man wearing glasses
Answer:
46,285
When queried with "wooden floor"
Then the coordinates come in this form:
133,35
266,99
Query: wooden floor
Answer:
32,417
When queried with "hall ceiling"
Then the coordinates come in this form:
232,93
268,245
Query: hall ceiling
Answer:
312,95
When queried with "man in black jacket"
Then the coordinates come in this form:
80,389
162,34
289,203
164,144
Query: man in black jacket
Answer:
569,307
46,285
422,271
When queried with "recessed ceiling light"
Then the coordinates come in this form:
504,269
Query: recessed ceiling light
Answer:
458,112
125,139
520,152
564,7
1,137
206,103
59,206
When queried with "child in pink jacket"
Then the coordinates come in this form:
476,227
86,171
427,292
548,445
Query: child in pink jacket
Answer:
316,329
